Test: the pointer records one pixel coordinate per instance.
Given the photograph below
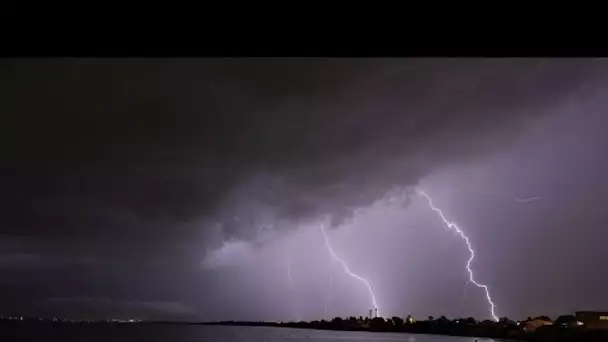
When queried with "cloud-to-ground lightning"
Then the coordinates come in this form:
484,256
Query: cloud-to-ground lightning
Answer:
292,287
471,252
347,269
328,298
464,291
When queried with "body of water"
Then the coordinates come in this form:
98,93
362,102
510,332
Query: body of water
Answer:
185,333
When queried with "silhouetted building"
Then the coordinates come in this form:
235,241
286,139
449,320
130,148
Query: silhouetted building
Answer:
568,321
593,319
534,323
370,314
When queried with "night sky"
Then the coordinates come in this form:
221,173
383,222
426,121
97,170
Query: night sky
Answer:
197,188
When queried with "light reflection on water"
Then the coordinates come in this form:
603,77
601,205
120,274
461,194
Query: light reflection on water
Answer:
266,334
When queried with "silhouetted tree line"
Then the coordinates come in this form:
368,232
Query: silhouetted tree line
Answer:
562,329
505,328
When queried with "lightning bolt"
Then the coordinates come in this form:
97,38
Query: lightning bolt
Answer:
464,291
347,270
292,287
525,200
328,296
513,198
471,252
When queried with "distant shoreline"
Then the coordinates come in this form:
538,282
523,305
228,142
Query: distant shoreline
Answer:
550,334
329,327
494,330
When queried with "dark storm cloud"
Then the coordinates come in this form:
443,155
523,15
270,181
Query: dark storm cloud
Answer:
119,174
120,148
22,260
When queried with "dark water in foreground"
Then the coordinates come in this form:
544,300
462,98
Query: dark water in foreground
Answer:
184,333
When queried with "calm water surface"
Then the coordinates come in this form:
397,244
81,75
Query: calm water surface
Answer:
180,333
